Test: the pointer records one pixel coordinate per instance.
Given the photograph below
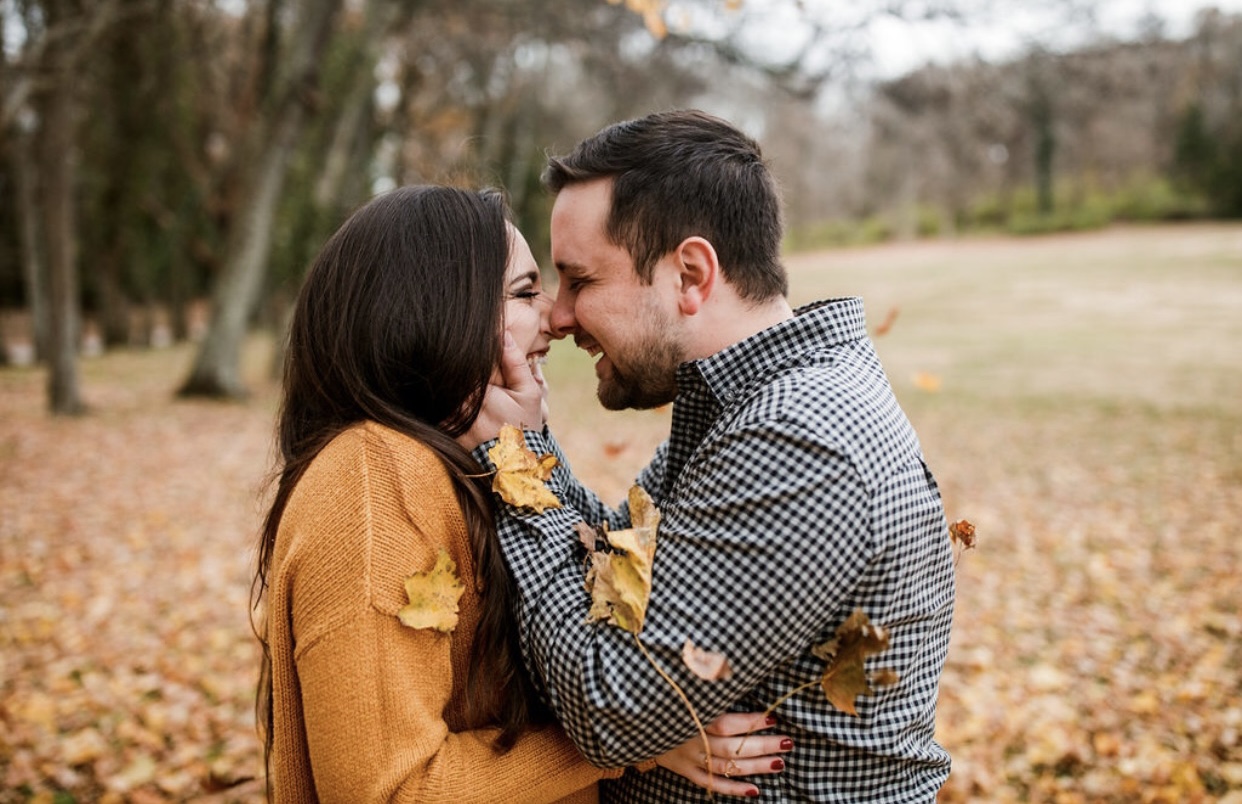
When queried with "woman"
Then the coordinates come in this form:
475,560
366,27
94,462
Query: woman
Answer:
397,331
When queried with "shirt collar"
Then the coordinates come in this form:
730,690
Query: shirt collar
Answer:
819,325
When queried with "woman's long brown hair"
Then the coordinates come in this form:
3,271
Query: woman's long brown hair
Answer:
398,322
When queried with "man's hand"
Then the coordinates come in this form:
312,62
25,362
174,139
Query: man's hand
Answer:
519,399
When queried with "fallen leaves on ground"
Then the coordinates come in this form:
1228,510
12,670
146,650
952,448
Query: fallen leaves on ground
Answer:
127,661
1094,656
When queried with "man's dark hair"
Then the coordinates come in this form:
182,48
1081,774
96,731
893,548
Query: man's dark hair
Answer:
682,174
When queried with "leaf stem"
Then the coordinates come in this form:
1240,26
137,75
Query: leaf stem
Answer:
707,748
780,701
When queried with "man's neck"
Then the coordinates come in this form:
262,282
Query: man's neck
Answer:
723,325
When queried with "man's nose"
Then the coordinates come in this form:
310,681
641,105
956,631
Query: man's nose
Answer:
561,318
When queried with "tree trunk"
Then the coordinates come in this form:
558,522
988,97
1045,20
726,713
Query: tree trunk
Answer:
33,258
56,159
217,368
114,313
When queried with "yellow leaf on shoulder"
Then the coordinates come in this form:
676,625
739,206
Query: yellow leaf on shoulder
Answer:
643,513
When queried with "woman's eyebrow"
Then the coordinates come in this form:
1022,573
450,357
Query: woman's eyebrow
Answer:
529,276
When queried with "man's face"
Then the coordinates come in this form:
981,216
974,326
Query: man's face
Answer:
630,327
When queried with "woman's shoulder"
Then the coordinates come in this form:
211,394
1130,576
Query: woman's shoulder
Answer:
370,441
367,465
370,452
376,505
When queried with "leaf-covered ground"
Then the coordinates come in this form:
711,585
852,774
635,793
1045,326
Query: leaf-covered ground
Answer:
1079,398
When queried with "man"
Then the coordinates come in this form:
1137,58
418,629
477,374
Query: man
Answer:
792,488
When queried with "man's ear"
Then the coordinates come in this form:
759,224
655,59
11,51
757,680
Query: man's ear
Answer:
699,271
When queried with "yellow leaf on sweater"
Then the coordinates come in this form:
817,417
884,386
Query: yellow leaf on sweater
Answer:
433,596
520,476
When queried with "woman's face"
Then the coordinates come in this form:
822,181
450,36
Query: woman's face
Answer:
526,305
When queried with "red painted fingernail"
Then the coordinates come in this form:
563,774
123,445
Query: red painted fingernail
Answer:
778,764
786,744
770,720
752,792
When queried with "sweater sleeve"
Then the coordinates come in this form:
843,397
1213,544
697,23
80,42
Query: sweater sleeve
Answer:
374,693
373,697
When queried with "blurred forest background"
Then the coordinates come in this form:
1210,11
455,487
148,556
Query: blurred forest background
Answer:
1047,242
168,167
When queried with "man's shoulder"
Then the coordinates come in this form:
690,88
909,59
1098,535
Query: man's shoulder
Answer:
821,383
839,399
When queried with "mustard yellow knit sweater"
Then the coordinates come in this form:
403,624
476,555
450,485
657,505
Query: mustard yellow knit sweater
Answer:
367,709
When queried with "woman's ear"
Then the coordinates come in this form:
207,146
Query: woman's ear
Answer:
698,272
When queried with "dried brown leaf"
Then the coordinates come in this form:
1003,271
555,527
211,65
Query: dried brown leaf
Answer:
619,579
962,533
707,665
845,677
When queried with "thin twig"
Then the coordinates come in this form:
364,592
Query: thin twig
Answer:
779,701
707,748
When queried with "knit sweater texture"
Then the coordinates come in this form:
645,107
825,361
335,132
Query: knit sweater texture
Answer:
365,708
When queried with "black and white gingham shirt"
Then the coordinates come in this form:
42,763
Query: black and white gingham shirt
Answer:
792,490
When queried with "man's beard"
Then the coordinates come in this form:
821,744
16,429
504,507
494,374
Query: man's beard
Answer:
649,378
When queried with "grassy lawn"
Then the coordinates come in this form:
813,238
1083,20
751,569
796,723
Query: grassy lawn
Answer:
1079,398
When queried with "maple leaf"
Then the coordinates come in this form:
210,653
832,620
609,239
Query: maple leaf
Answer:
619,579
520,476
845,677
433,596
707,665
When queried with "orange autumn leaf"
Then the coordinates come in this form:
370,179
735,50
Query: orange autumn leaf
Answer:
707,665
652,12
612,449
845,677
433,596
926,382
962,533
520,476
619,579
889,319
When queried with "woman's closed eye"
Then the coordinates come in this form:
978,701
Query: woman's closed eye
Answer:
530,295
